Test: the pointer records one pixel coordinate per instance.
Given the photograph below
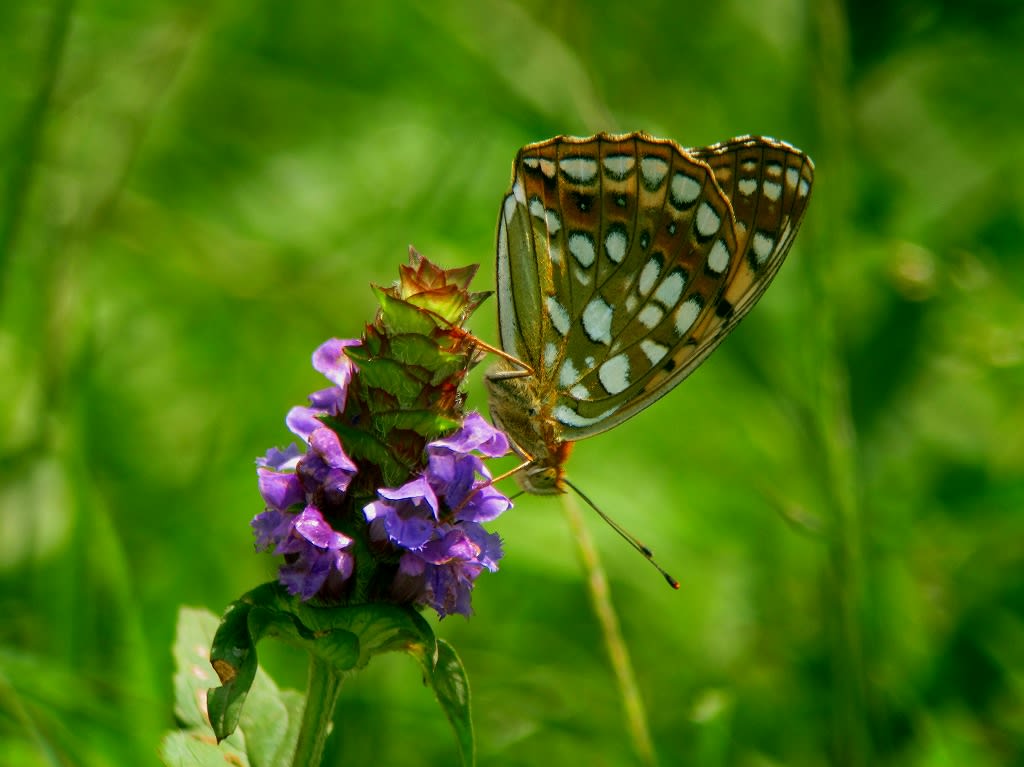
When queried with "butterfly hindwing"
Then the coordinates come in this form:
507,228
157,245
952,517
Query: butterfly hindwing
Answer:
768,183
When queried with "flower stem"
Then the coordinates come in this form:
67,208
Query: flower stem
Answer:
321,697
618,653
30,140
835,436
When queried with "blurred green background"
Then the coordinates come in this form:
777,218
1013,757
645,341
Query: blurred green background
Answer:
195,195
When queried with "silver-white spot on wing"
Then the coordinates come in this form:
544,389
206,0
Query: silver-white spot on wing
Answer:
648,276
614,374
581,170
718,258
559,316
550,354
650,316
615,245
570,417
772,190
655,352
686,314
618,166
553,221
581,245
670,290
762,247
597,321
653,170
518,195
568,374
707,220
684,189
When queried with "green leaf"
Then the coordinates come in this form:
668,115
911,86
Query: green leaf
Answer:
425,422
449,365
362,445
391,376
447,676
188,749
415,349
267,729
402,317
377,627
448,302
420,351
192,673
346,637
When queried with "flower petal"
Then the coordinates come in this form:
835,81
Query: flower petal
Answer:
476,434
271,527
303,421
486,503
280,490
331,360
281,460
416,490
312,526
326,442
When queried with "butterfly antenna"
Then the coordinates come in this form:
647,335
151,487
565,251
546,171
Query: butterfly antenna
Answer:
523,370
627,536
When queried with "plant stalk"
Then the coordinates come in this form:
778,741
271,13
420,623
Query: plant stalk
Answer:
321,697
618,652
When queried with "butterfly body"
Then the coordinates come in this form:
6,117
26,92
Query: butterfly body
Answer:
622,262
523,408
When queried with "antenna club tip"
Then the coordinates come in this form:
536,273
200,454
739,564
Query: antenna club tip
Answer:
671,581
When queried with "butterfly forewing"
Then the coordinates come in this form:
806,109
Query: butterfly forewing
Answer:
624,260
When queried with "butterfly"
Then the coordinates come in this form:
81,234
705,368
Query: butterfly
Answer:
622,262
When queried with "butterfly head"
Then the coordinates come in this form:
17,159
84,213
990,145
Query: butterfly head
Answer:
542,480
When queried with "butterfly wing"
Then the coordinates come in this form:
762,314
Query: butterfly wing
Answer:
622,262
769,184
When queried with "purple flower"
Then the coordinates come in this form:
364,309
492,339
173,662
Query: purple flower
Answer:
281,460
436,518
433,520
289,479
317,550
271,527
407,516
476,434
329,359
326,466
442,572
278,484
